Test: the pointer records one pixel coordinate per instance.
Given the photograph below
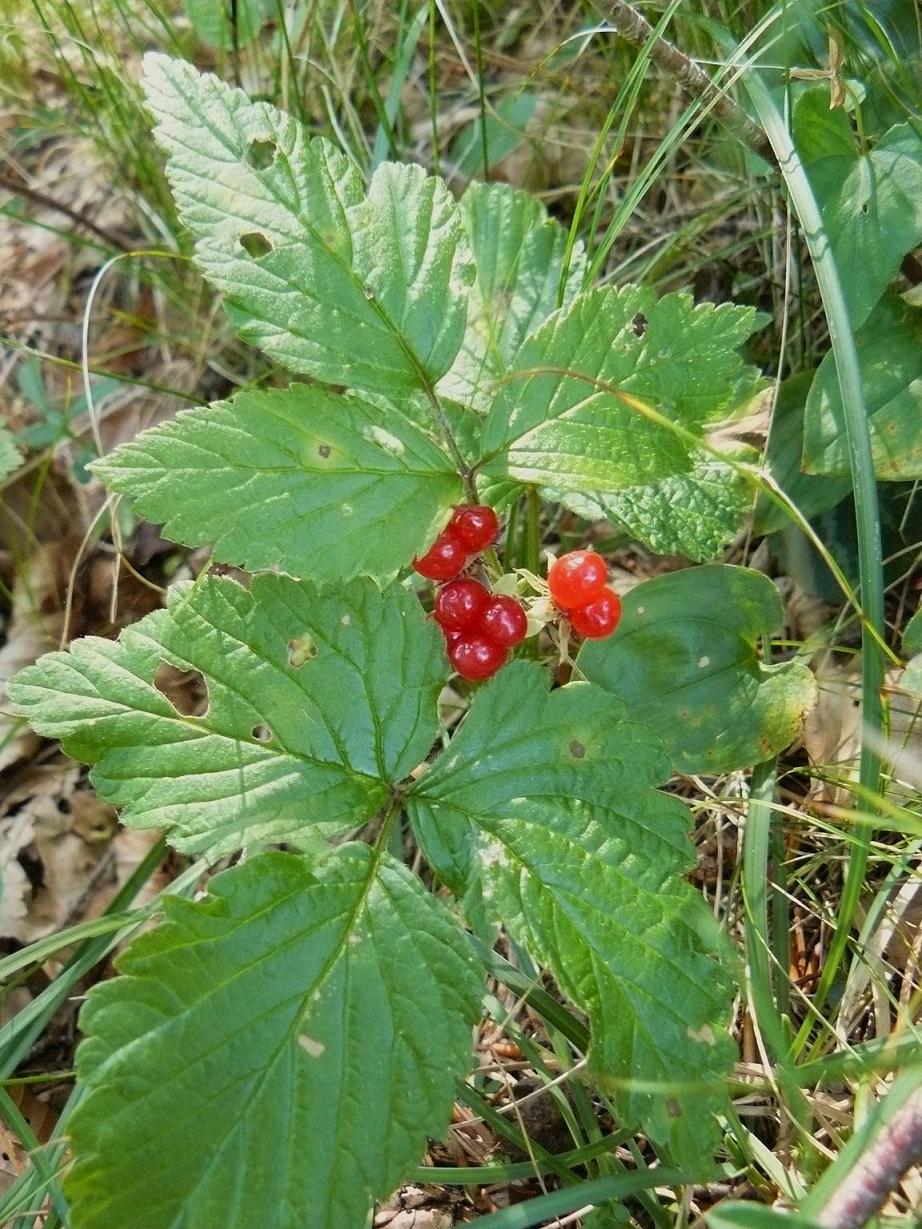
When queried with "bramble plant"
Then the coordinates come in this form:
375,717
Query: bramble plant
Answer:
284,1047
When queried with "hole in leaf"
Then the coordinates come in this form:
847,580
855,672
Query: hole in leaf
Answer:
262,154
186,690
255,244
300,650
64,806
33,867
324,450
261,733
639,325
864,207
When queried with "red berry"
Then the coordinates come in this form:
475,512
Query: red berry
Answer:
474,525
476,657
577,578
505,621
460,604
598,618
444,559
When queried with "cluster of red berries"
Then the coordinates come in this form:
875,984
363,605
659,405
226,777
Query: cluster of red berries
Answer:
472,528
479,627
578,589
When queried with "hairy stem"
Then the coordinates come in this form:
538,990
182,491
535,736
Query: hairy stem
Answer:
878,1170
637,31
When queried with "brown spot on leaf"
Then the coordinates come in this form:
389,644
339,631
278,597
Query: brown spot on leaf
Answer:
577,750
324,450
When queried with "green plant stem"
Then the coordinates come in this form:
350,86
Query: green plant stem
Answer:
755,882
870,559
532,529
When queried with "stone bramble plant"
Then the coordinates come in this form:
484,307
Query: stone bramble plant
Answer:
278,1052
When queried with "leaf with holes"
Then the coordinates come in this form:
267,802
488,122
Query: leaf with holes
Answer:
519,255
695,514
262,1045
890,357
605,394
283,745
545,803
320,485
686,660
366,290
871,203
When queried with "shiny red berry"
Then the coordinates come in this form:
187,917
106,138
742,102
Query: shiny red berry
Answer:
577,578
444,559
461,603
504,621
598,618
474,525
476,657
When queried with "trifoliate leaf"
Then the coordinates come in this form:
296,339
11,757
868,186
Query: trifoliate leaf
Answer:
518,255
366,291
576,410
871,203
685,657
890,357
545,803
694,514
319,485
273,1055
316,703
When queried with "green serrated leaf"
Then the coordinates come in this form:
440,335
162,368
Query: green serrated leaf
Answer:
226,24
890,357
367,291
568,417
518,255
871,203
266,1045
685,658
281,746
10,456
319,485
545,803
695,514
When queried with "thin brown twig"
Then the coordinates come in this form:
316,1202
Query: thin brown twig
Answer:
47,202
637,31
